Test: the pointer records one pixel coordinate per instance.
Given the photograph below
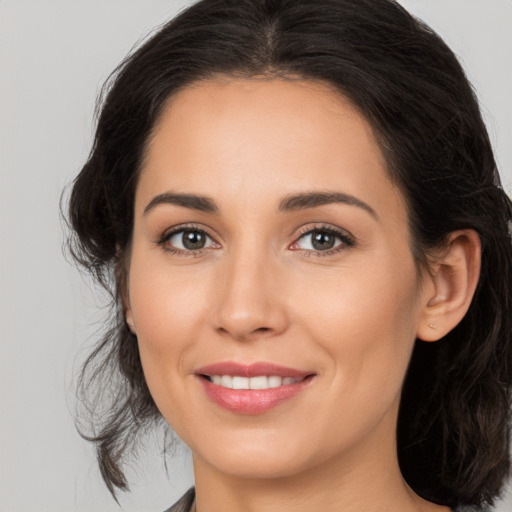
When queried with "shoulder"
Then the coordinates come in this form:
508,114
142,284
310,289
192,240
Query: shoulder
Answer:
184,504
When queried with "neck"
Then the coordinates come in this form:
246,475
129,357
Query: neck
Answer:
366,478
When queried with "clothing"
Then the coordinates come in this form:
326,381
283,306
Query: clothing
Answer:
184,504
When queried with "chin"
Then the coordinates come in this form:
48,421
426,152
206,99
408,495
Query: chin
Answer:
263,456
273,466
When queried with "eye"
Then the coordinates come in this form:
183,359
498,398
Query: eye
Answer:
324,240
189,239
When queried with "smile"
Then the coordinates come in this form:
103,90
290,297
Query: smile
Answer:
259,382
254,388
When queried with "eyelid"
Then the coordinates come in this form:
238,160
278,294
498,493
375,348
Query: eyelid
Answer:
168,234
347,240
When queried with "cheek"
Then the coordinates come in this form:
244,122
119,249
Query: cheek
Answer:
167,311
166,306
365,321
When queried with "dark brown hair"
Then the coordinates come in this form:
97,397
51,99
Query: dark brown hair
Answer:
454,420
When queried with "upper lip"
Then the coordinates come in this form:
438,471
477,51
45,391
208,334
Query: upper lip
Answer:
251,370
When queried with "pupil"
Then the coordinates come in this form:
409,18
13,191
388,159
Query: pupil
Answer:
322,240
193,240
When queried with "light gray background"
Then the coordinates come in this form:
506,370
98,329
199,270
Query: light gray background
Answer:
54,56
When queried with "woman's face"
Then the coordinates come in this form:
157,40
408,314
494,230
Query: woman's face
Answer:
269,245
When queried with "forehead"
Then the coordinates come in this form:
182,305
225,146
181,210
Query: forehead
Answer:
254,139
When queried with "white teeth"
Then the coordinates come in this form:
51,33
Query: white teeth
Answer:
274,382
226,381
240,383
260,382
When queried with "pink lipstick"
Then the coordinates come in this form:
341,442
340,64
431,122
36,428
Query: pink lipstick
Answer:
254,388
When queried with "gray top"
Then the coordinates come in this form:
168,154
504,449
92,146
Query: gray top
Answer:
184,504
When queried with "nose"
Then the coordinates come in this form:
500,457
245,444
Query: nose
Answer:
250,297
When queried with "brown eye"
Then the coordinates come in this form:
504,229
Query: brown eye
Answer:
193,240
320,240
323,240
188,240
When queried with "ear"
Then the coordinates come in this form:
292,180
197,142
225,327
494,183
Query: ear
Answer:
121,263
451,285
129,320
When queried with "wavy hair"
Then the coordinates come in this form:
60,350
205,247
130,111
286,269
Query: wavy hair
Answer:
454,420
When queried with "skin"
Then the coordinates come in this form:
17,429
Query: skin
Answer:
259,291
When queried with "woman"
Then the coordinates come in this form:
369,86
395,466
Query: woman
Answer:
298,211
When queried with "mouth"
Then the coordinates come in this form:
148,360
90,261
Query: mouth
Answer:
252,389
258,382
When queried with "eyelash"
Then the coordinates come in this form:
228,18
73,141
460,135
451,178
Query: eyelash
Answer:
347,241
173,250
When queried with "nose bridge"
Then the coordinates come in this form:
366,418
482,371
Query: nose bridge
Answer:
248,300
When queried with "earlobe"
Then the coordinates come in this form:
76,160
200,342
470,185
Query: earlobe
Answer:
453,280
121,264
129,321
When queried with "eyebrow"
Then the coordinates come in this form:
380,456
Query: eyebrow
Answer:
195,202
303,201
290,203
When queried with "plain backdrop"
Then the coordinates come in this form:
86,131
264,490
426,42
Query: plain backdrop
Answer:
54,57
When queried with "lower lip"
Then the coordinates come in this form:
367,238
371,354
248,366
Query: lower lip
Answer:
252,401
